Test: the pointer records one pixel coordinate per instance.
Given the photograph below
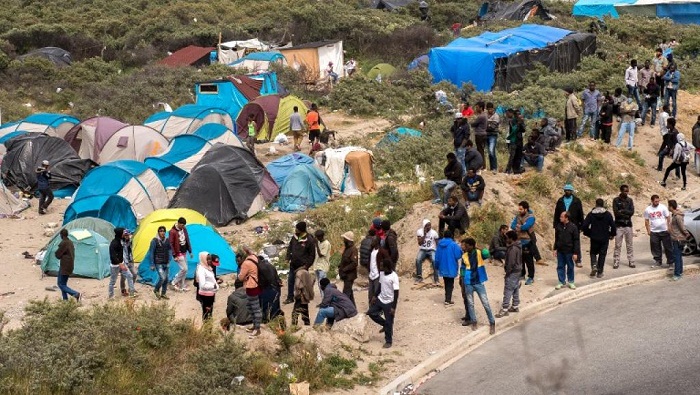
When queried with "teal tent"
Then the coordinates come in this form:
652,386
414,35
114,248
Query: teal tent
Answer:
91,254
305,186
397,134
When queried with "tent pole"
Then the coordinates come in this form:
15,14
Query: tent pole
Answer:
497,40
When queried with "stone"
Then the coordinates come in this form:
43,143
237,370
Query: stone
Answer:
357,327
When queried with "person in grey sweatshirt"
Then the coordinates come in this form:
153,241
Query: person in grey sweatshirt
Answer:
513,266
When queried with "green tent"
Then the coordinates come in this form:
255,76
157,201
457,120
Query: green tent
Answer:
91,254
285,110
383,69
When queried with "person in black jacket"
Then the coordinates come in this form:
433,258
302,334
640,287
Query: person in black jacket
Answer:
271,286
566,245
117,266
460,135
366,248
160,251
599,226
453,176
454,216
43,179
66,256
571,204
301,252
668,143
623,208
391,242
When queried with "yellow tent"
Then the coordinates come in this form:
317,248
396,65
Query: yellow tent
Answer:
148,228
286,109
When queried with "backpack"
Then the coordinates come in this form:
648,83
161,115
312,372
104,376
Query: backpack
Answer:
685,153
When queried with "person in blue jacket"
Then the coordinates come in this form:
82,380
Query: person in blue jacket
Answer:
523,224
447,258
672,79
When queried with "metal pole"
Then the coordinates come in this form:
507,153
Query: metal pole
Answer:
500,39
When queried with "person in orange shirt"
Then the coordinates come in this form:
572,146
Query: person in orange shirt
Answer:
314,122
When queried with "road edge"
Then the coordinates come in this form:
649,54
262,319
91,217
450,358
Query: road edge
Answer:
446,357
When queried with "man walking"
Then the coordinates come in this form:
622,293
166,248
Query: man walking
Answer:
679,235
656,220
591,98
301,252
180,242
523,224
385,302
453,176
566,244
623,208
43,179
427,239
572,205
117,266
599,226
447,259
160,259
296,126
474,279
66,255
513,267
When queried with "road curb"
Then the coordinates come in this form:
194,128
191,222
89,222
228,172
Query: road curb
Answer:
466,344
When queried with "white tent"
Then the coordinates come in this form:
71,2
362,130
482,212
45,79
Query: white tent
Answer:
9,204
231,51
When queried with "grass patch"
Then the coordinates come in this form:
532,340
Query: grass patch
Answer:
485,221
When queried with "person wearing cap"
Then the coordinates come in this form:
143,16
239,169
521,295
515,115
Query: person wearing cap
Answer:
377,227
159,252
347,269
43,180
391,242
572,205
117,266
180,242
128,261
453,176
301,252
335,306
322,261
460,136
427,239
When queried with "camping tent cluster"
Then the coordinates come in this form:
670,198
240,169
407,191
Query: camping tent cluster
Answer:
679,11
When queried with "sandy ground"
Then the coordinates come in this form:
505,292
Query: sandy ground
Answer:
423,325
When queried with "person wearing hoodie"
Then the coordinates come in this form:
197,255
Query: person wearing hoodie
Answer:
499,246
427,238
571,204
566,245
128,261
679,235
681,157
523,224
208,286
303,295
454,216
301,252
180,242
472,158
236,310
159,251
335,306
474,275
347,269
391,242
322,261
248,273
377,227
513,266
447,257
453,176
117,266
599,226
43,180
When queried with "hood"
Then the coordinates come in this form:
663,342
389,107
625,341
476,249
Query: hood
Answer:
118,233
680,138
203,257
515,245
445,242
599,211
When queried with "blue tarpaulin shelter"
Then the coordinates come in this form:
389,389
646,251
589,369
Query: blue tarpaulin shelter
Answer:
397,134
679,11
280,168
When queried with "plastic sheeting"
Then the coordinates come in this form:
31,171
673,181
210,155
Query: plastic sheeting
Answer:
522,11
598,8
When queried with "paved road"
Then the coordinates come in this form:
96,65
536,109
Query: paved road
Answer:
638,340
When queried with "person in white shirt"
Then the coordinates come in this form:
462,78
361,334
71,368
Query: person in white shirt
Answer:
632,81
427,241
322,262
375,257
385,301
656,220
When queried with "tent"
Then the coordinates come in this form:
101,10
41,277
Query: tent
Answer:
421,61
231,51
232,93
7,137
518,11
304,187
175,163
203,238
148,227
382,69
190,55
264,110
286,109
349,169
52,124
679,11
91,254
186,119
96,225
134,142
9,204
120,192
228,183
397,134
58,56
390,5
89,136
314,58
498,60
25,154
281,167
259,61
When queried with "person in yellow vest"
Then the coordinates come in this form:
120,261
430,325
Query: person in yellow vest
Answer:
474,278
252,127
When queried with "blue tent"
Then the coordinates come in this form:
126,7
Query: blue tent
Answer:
52,124
304,187
677,11
186,119
280,168
474,59
265,56
203,238
118,192
397,134
598,8
421,61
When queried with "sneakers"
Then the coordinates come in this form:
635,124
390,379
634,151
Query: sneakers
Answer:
157,295
386,345
632,265
616,265
449,303
559,286
593,273
541,262
418,280
288,301
514,309
599,275
572,286
437,201
502,313
529,281
132,296
185,289
79,297
662,183
175,287
579,264
468,323
164,297
253,334
492,329
676,278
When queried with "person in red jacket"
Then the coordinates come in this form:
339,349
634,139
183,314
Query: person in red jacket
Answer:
180,242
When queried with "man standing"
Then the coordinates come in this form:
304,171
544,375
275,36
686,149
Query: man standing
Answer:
572,205
566,245
523,224
473,186
571,112
659,63
513,267
656,220
646,75
628,109
117,266
599,226
301,252
623,208
427,239
474,279
43,179
160,259
460,136
347,269
651,97
314,123
335,306
454,216
365,249
180,242
391,242
516,130
696,143
606,120
492,124
296,126
479,124
385,302
303,295
453,176
66,255
591,99
672,79
632,80
679,235
322,261
128,261
447,259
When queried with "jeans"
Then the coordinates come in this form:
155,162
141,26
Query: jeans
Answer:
420,258
493,160
463,290
645,108
290,284
449,287
447,185
387,322
657,242
320,274
528,261
372,290
599,249
347,290
179,279
591,116
63,286
45,198
481,291
511,291
536,162
677,166
131,268
460,153
626,127
624,232
677,257
325,313
671,94
162,283
114,272
207,303
633,91
565,267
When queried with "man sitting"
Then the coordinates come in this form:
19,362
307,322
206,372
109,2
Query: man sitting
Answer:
454,216
552,133
335,305
453,176
473,187
236,309
533,153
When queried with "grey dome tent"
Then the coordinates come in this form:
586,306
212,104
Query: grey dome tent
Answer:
229,183
517,11
58,56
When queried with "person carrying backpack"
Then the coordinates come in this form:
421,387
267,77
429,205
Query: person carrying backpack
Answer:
681,157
